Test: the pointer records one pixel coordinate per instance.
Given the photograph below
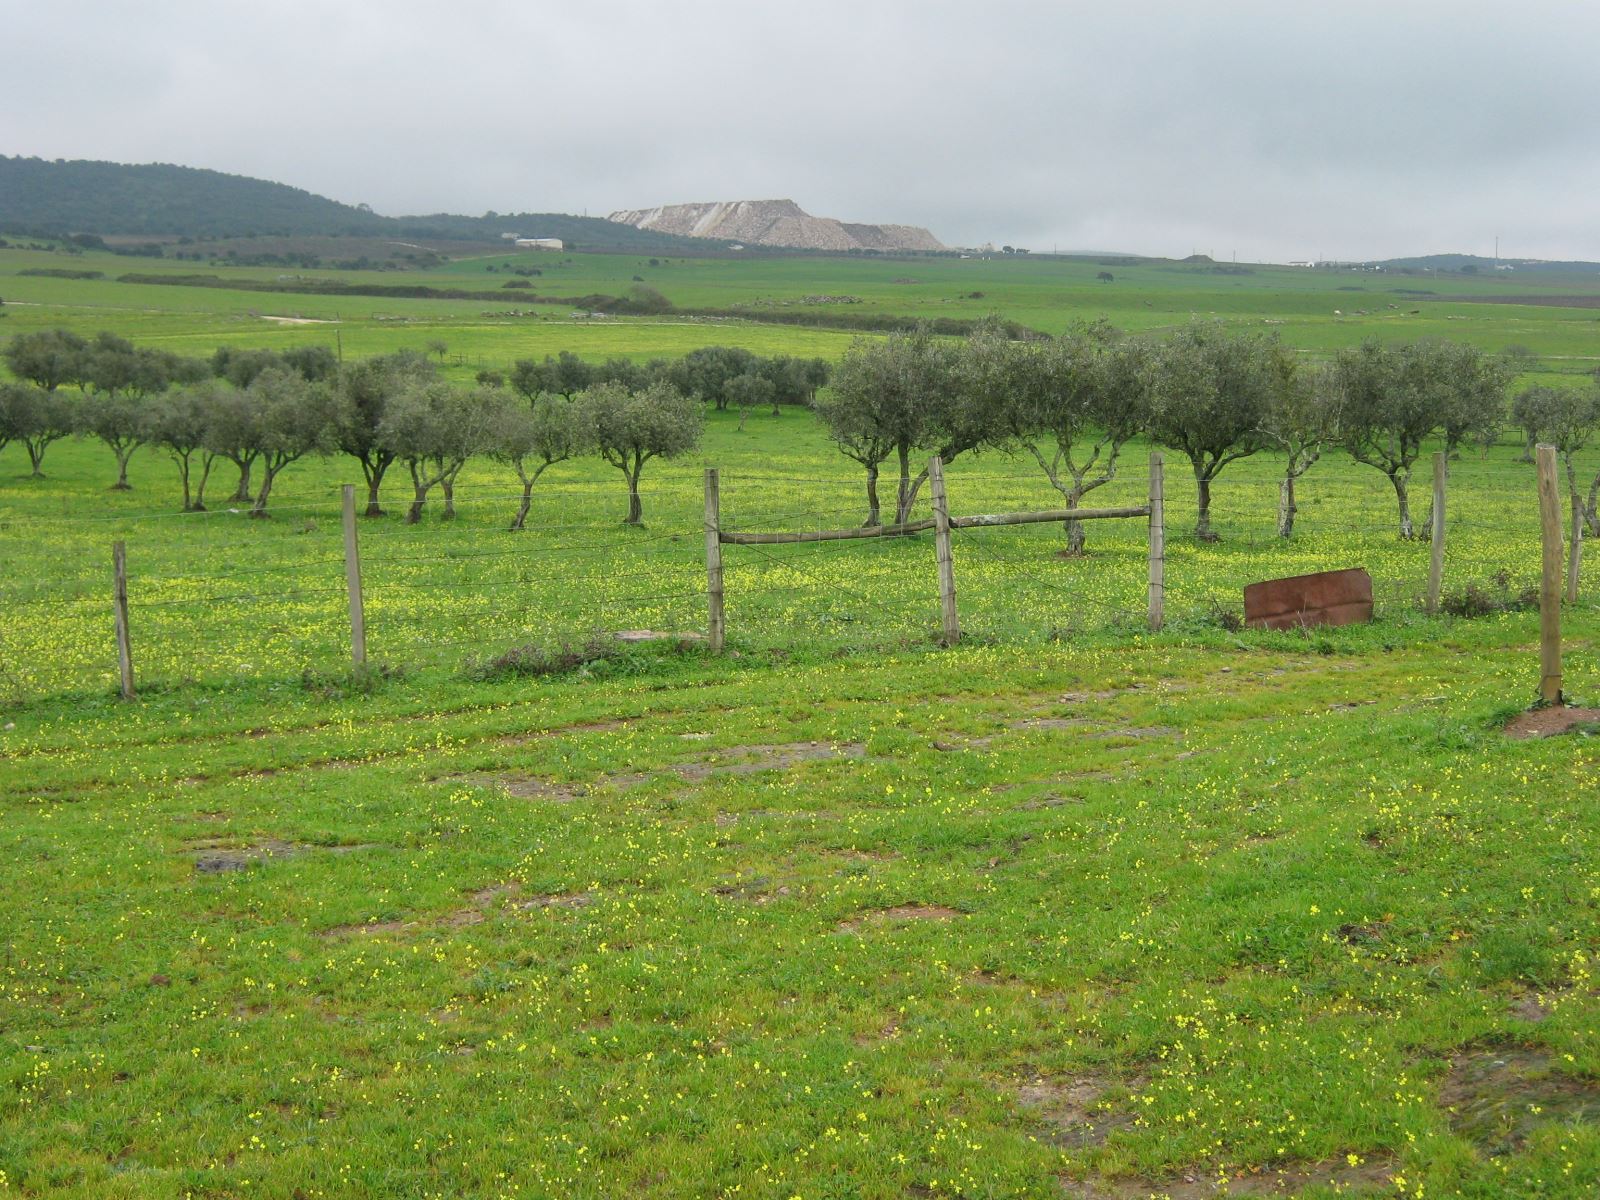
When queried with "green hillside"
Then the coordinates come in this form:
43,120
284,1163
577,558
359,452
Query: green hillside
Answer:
52,198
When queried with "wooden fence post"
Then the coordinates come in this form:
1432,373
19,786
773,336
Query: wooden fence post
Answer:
1436,534
716,622
1158,542
1575,550
119,573
941,547
352,580
1550,582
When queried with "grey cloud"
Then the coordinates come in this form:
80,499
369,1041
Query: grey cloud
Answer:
1345,127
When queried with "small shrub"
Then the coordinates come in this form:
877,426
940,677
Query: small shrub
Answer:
1224,617
351,681
1479,601
535,662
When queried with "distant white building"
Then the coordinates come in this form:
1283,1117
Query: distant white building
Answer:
539,244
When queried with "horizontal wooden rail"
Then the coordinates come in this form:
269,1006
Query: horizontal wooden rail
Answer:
982,521
1058,514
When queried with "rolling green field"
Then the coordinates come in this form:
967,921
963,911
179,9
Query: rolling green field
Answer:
1071,909
1314,310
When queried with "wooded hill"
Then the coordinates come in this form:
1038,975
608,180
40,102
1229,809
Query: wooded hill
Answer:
39,197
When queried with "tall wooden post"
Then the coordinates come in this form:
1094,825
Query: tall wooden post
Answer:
119,574
1436,534
1158,541
716,622
1550,582
1575,550
941,547
352,580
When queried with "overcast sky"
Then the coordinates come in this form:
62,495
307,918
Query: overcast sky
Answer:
1275,130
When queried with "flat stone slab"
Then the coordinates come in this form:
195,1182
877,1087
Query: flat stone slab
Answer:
1325,598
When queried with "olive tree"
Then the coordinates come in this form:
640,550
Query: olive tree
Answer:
1073,404
34,417
1209,391
889,399
1474,405
629,428
749,391
533,438
291,418
118,378
360,393
47,358
706,373
1392,399
120,420
1566,418
230,433
1300,419
565,375
178,423
434,428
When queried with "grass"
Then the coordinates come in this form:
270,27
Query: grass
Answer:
850,928
217,598
1316,311
1069,909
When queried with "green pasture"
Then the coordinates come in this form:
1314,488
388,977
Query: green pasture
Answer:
218,598
1119,917
1068,910
1317,311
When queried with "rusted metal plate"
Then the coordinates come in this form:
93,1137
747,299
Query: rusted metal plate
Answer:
1326,598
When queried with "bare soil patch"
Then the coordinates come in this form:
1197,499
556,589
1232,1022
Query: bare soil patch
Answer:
539,735
747,760
1368,1176
1049,723
1137,732
1074,1110
214,856
483,901
370,928
1498,1095
1551,721
757,889
899,914
553,900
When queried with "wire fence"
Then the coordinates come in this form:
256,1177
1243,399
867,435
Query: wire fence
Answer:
214,597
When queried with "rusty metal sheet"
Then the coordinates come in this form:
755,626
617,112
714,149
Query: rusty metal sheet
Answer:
1326,598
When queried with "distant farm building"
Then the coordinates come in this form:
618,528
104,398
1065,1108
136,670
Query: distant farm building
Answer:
540,244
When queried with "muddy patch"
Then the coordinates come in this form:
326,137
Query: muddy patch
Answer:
747,760
1136,732
1339,1175
539,735
481,903
1534,1007
863,858
215,856
1553,721
900,914
727,818
1497,1096
366,928
572,900
948,743
756,889
1049,723
1074,1111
